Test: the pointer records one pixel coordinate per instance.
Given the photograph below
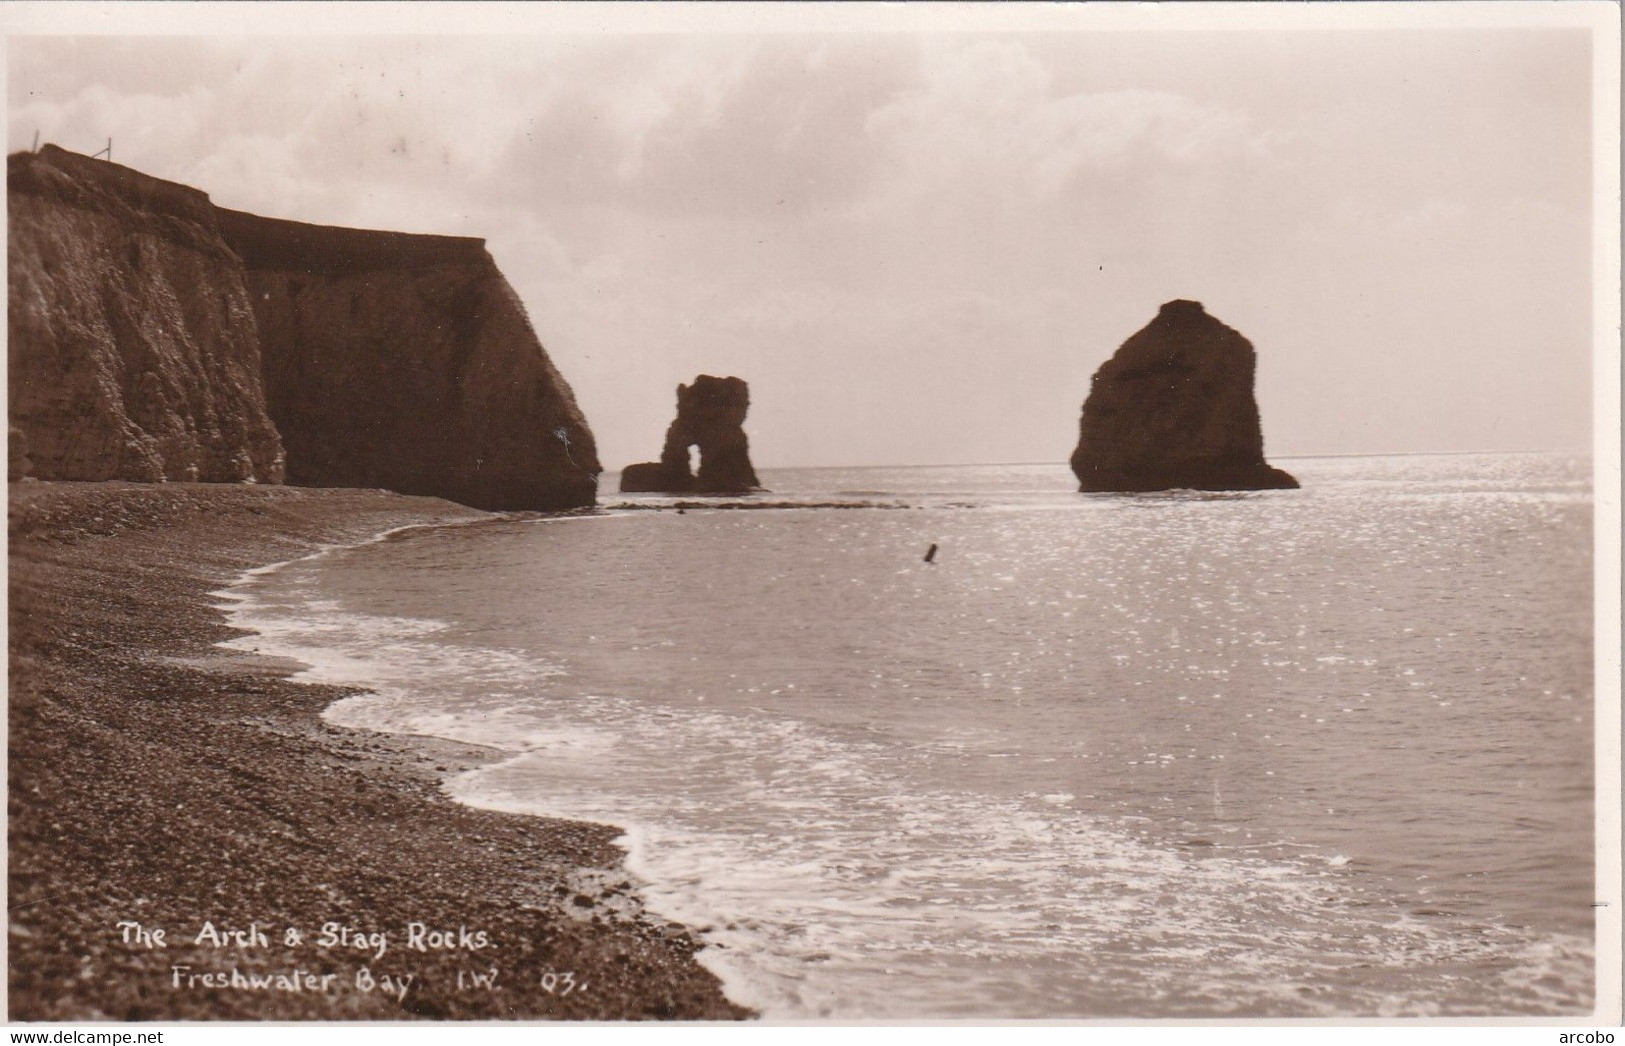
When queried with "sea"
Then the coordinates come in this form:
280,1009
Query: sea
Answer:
1325,752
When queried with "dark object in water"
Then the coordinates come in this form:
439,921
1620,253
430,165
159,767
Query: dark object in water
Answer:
1174,409
931,554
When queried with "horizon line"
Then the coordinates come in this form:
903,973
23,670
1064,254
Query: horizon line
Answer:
1062,463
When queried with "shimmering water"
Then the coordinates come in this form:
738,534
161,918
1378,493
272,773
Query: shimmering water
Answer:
1296,753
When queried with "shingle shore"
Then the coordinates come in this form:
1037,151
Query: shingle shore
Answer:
157,780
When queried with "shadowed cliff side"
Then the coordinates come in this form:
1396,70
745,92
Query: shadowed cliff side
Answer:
1174,408
710,415
408,362
156,337
132,352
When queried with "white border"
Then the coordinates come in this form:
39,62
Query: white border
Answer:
21,18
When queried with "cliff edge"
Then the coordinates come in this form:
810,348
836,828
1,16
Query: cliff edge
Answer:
408,362
155,336
1174,409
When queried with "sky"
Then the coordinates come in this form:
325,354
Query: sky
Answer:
917,244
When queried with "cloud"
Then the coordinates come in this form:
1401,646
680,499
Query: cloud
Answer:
935,237
988,114
727,127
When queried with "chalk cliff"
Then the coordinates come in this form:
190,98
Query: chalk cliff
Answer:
408,362
710,415
1174,408
131,345
159,337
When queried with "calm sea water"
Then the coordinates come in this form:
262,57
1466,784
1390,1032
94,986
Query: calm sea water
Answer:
1301,753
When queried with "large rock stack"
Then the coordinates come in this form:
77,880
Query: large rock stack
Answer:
1174,408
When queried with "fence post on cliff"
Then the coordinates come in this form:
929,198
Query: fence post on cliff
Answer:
36,143
108,151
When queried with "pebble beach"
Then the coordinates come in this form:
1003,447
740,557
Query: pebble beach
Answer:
189,840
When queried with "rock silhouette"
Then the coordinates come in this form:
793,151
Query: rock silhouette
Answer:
154,336
710,415
1174,408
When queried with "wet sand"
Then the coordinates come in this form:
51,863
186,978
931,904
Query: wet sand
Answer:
159,780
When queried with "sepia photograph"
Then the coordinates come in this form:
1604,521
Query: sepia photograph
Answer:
813,512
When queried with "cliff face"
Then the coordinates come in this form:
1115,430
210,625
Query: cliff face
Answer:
710,415
154,336
1174,408
408,362
131,341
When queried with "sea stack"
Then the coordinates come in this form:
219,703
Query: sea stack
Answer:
1174,409
711,416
